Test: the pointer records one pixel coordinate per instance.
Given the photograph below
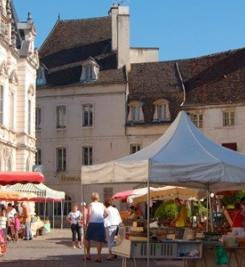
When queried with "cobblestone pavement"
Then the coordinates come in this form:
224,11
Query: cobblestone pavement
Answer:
54,250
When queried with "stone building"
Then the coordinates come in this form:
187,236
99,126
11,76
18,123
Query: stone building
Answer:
99,99
18,65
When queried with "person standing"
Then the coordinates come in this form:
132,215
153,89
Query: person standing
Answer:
96,229
27,221
182,214
74,218
112,222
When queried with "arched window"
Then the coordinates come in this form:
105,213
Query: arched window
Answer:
161,110
135,112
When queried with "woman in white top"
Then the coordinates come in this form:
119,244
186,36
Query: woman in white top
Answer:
96,230
74,218
112,222
3,221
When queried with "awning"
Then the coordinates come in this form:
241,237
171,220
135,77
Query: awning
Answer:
7,178
42,192
16,196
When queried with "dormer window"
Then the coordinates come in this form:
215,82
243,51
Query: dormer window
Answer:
90,71
135,112
161,112
41,78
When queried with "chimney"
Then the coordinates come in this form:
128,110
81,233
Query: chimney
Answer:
120,34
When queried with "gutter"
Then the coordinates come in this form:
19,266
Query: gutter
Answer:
182,83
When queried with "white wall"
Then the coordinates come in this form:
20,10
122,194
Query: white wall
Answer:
141,55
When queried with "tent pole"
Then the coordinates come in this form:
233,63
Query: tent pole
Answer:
62,213
44,216
148,216
207,210
53,214
211,213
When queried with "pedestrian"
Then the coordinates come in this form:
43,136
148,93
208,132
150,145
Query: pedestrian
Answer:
74,218
17,226
112,222
3,221
181,218
27,221
96,229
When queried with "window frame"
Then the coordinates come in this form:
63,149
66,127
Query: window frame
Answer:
38,118
90,118
61,164
135,148
61,121
197,118
228,118
90,151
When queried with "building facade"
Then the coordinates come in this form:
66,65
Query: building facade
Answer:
18,65
99,99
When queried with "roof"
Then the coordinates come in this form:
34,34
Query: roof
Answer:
72,33
73,42
213,79
149,82
72,76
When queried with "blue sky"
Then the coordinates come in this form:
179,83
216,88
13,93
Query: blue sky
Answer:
180,28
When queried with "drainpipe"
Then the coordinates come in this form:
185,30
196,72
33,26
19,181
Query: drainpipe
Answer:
182,83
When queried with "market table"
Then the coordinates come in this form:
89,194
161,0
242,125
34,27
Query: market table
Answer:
186,250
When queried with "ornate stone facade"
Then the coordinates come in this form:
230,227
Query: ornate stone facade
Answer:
18,65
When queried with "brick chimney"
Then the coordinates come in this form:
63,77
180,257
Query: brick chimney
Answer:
120,33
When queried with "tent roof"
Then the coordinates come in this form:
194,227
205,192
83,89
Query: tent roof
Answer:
182,156
20,177
41,190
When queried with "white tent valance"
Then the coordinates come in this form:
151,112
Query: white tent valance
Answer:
41,190
182,156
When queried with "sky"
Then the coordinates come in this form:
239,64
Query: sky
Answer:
180,28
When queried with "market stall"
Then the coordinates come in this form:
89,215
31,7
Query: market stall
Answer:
183,156
43,194
7,178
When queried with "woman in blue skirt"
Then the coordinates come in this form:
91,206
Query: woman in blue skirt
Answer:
95,230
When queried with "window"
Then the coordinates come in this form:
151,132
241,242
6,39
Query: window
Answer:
38,158
87,155
232,146
135,112
29,116
134,148
228,118
87,115
1,104
161,110
11,111
38,118
41,79
108,193
60,159
197,119
28,164
60,116
90,71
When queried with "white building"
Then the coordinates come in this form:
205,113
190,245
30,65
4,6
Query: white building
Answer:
99,99
18,65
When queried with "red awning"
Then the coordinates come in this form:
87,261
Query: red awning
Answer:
21,177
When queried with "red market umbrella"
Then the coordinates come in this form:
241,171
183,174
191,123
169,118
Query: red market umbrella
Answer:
122,195
20,177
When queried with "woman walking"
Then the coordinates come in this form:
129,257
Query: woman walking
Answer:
95,230
112,222
74,218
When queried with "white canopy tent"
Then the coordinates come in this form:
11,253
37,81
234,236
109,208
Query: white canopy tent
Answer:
182,156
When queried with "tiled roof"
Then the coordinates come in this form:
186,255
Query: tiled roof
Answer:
72,76
149,82
72,33
214,79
